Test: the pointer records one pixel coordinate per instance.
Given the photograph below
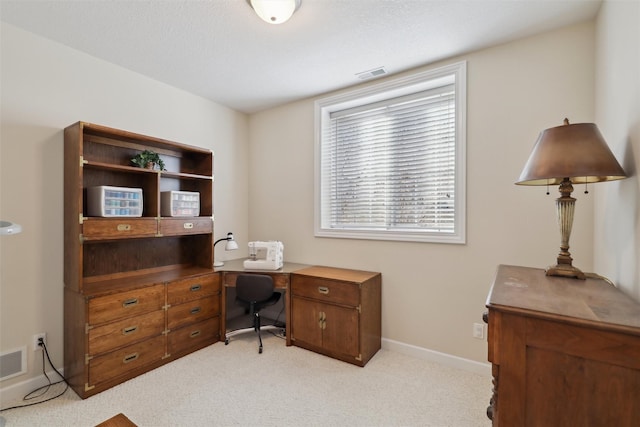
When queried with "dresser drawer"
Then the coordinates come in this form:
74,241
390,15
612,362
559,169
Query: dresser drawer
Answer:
119,362
118,228
180,291
125,332
193,311
180,226
347,293
125,304
201,333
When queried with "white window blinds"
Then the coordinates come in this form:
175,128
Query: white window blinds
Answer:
390,160
392,164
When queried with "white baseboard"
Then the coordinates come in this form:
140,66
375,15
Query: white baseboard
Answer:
12,395
483,369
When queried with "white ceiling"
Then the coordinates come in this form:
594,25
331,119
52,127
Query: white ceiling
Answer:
221,50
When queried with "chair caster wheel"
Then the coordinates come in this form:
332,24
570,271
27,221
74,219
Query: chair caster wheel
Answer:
226,341
260,350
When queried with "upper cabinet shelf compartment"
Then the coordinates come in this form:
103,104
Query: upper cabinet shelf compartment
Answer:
97,155
116,147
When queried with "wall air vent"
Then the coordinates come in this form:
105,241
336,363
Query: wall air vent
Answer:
13,363
376,72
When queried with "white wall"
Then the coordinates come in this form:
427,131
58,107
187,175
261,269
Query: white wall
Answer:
46,87
433,293
617,215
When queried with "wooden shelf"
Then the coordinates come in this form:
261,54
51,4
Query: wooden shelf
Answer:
123,270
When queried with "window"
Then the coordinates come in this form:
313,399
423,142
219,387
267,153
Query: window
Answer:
390,160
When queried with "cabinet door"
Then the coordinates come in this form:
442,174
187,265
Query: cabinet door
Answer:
306,321
340,331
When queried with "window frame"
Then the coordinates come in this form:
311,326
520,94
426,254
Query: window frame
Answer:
451,74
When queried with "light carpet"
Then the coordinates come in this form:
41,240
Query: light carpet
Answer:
284,386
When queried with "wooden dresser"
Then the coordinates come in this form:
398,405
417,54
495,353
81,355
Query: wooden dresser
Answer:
565,352
141,290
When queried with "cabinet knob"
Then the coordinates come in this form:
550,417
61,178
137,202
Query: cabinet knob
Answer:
323,290
195,310
194,334
322,320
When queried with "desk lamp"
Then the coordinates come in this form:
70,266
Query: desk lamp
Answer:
566,155
231,245
7,228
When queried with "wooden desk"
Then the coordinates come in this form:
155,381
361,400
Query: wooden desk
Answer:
565,352
281,278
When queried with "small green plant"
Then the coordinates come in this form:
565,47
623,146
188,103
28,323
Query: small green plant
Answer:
148,159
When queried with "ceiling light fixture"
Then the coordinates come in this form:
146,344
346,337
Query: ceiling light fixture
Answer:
274,11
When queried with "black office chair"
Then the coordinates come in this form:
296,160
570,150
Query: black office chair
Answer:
254,292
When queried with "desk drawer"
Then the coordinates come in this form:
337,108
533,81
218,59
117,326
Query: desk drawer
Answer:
329,290
125,304
280,280
177,226
118,228
198,334
181,291
193,311
124,332
119,362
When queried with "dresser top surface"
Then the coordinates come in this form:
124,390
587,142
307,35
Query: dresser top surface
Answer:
529,291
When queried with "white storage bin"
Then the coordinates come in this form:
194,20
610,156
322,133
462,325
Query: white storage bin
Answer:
180,203
107,201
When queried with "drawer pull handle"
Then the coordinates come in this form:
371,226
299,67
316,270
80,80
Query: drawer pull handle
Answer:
196,288
129,330
130,358
194,334
124,227
188,225
195,310
130,302
323,290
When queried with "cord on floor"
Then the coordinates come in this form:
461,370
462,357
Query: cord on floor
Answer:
44,389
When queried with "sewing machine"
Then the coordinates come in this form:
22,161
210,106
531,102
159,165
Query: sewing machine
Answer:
265,255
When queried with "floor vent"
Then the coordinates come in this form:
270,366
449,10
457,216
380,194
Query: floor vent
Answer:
13,363
376,72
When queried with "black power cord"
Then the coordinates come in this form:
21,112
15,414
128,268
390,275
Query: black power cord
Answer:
278,324
45,388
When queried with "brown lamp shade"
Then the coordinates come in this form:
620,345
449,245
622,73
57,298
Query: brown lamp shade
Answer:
574,151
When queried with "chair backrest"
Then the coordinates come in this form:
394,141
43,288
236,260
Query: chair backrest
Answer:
254,287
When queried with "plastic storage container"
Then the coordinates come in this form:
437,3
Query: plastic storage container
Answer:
180,203
109,201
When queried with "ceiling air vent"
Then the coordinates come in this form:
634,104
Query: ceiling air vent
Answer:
376,72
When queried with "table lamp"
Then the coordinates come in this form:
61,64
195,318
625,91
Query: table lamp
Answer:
231,245
566,155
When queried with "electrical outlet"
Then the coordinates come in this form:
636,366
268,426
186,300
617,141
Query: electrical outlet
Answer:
36,337
478,331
